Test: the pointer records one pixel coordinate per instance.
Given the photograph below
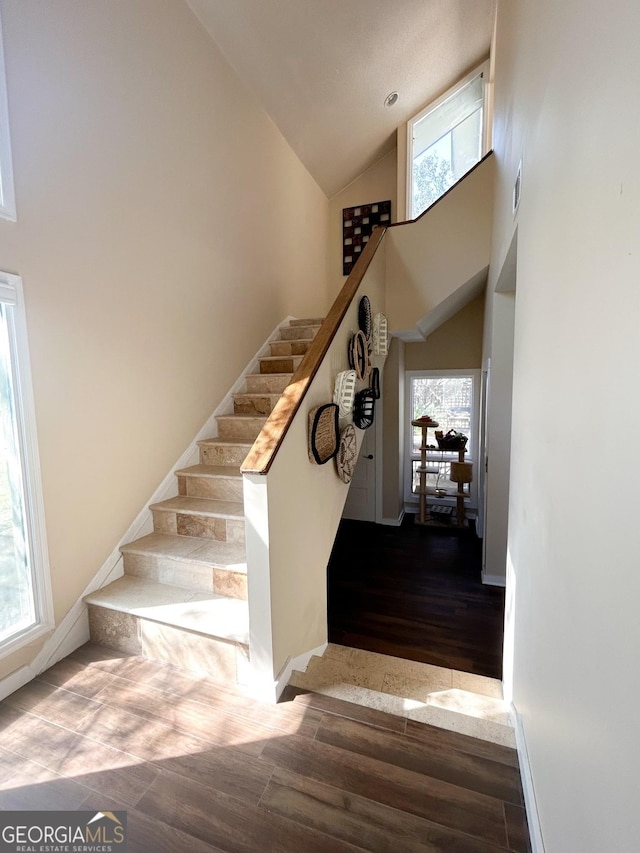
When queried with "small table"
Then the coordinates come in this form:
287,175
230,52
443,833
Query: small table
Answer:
423,470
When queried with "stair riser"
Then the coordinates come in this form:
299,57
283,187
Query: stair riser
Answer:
128,633
183,524
280,365
257,404
155,567
284,348
299,333
217,488
221,454
267,384
239,427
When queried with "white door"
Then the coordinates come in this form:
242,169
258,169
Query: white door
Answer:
361,500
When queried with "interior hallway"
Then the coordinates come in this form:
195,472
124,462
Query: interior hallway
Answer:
416,593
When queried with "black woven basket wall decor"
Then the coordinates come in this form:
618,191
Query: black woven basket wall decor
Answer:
375,382
364,317
359,355
324,433
364,408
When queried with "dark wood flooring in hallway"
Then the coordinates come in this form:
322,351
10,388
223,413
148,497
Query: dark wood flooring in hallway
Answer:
416,593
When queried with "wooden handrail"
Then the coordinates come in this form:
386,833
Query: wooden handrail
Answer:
266,446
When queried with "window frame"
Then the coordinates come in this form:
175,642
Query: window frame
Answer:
481,70
411,500
12,296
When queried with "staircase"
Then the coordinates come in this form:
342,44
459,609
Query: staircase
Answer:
183,597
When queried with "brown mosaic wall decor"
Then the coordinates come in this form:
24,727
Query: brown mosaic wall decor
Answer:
357,225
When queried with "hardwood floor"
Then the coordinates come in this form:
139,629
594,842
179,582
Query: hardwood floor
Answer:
415,592
200,768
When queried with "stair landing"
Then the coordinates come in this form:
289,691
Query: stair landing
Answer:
458,701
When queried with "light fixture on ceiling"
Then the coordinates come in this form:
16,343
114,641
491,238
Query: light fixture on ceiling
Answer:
391,99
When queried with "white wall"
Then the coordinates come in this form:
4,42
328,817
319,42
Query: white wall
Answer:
564,77
164,228
498,437
378,183
431,259
304,501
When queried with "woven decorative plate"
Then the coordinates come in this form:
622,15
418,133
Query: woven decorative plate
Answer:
346,457
364,316
380,335
344,391
359,355
323,433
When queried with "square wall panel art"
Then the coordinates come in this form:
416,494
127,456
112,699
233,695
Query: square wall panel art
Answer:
357,225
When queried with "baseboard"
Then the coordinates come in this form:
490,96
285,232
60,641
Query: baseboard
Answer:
394,522
15,681
494,580
73,631
531,808
272,691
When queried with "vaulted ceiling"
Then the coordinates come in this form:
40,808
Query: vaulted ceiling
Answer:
323,68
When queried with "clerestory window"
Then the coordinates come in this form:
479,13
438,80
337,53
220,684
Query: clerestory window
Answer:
445,141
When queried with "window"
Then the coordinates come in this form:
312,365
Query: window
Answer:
446,140
450,397
24,579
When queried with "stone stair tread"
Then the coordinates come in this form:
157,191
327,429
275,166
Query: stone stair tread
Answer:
306,341
191,549
201,470
308,321
202,613
236,417
271,375
250,394
228,442
201,506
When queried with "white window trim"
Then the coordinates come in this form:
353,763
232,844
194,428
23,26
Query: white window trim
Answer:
481,69
11,293
7,190
410,499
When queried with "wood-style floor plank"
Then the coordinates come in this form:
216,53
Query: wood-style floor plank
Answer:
416,593
361,821
467,771
147,834
222,767
360,713
424,796
198,768
69,754
234,826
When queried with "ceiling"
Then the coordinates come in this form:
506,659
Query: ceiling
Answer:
323,68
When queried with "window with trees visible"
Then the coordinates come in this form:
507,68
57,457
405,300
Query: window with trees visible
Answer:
25,593
451,399
445,141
